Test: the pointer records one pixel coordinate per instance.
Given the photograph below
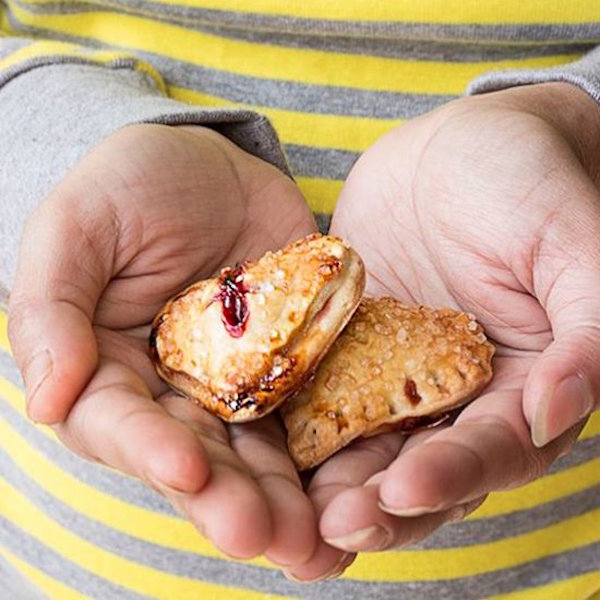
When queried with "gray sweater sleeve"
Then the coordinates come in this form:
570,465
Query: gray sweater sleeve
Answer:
52,114
584,73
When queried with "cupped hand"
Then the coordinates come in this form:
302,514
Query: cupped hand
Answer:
150,210
490,205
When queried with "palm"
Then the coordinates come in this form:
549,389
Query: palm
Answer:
185,212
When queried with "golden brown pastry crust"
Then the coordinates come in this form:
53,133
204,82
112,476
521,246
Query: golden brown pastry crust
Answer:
283,313
392,365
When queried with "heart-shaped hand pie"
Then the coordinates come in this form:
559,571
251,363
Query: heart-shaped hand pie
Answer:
393,367
242,343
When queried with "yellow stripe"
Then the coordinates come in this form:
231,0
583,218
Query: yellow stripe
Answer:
454,563
51,587
104,57
407,11
168,531
321,194
111,567
341,132
284,64
592,427
399,566
582,587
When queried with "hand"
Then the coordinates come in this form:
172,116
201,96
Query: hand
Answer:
489,204
147,212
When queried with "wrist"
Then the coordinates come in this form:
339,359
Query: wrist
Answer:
569,109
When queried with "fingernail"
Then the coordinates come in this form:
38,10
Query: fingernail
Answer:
340,566
409,511
570,401
367,539
35,373
458,513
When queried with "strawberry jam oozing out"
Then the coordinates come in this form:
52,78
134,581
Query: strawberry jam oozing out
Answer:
232,295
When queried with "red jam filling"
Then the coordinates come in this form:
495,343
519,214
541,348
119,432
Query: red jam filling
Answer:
414,424
232,295
410,391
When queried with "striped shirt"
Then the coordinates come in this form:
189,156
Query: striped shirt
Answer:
331,77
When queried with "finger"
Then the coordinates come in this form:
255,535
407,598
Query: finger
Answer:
488,448
354,522
352,519
116,422
351,467
326,562
262,447
563,386
63,266
231,509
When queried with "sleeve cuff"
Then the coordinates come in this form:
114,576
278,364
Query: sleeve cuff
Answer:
584,73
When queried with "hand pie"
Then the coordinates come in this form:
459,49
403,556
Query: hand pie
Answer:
242,343
393,367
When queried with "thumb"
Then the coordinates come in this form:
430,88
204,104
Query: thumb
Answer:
563,386
64,263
